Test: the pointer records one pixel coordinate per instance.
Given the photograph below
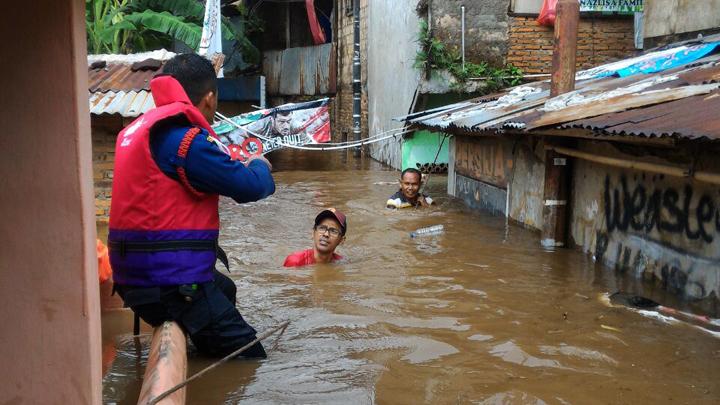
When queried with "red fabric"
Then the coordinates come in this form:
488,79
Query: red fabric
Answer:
304,258
317,32
144,198
547,13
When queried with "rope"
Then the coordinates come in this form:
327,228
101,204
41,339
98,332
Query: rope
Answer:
427,179
326,144
199,374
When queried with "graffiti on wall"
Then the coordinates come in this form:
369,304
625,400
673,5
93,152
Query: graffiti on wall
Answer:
487,160
654,227
669,210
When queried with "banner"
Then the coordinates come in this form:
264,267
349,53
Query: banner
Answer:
620,6
289,124
211,40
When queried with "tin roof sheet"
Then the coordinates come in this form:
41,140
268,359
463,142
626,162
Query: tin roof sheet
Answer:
118,88
678,98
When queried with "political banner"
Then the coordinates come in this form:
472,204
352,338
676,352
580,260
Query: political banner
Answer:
211,39
294,124
618,6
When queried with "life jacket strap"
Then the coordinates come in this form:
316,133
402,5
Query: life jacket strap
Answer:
182,153
124,246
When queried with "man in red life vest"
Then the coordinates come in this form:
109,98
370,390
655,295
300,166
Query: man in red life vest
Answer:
164,221
328,234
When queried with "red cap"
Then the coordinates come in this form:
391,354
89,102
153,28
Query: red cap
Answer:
334,214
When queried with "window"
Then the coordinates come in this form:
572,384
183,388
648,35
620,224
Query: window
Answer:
526,6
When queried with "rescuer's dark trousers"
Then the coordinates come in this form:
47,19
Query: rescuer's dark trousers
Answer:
206,312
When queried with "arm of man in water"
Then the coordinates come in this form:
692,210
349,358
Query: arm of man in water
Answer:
211,170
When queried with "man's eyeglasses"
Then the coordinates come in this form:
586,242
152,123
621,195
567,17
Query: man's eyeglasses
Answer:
334,232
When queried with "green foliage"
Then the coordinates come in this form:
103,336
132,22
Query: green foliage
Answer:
165,23
435,55
126,26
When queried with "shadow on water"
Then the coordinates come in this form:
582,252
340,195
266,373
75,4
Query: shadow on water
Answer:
478,314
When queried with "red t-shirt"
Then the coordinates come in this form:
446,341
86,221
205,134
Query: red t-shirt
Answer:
305,257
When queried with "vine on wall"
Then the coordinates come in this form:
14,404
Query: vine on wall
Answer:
435,56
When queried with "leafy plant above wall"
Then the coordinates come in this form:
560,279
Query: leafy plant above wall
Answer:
435,56
125,26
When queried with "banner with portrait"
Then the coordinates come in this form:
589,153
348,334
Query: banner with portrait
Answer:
294,124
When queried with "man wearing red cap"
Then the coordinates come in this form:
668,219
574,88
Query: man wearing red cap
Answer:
328,234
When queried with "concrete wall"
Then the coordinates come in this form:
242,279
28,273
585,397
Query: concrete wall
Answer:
667,17
600,40
391,80
486,28
48,269
650,225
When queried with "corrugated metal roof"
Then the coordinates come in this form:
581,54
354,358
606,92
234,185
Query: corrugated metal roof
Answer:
118,88
680,99
692,118
127,104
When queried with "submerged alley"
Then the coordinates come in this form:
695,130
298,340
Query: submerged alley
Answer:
356,201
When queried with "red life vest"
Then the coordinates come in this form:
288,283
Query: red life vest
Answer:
162,231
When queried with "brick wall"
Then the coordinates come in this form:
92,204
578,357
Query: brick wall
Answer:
104,133
344,97
600,40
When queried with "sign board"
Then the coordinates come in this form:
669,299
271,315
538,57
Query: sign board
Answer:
618,6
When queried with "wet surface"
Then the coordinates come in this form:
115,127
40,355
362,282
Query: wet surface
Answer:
478,314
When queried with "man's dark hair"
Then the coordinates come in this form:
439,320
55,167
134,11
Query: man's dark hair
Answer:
195,74
411,170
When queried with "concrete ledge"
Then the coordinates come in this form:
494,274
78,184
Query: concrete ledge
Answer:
479,195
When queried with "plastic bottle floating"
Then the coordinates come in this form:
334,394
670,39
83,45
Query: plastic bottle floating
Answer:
429,231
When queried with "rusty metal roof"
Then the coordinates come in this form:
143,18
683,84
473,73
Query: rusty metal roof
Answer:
679,98
120,84
693,117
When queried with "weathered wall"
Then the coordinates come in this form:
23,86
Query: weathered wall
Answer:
528,183
305,71
667,17
391,80
482,169
104,133
650,225
486,28
600,40
49,302
344,97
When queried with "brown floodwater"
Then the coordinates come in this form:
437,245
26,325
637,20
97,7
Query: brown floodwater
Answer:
478,314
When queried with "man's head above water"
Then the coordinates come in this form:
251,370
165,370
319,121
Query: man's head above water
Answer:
197,77
328,232
410,182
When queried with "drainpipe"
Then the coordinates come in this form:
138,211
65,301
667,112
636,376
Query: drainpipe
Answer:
557,172
356,75
462,34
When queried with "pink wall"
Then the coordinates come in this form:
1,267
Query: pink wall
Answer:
50,333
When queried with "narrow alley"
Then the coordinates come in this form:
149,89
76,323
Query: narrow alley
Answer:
479,313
